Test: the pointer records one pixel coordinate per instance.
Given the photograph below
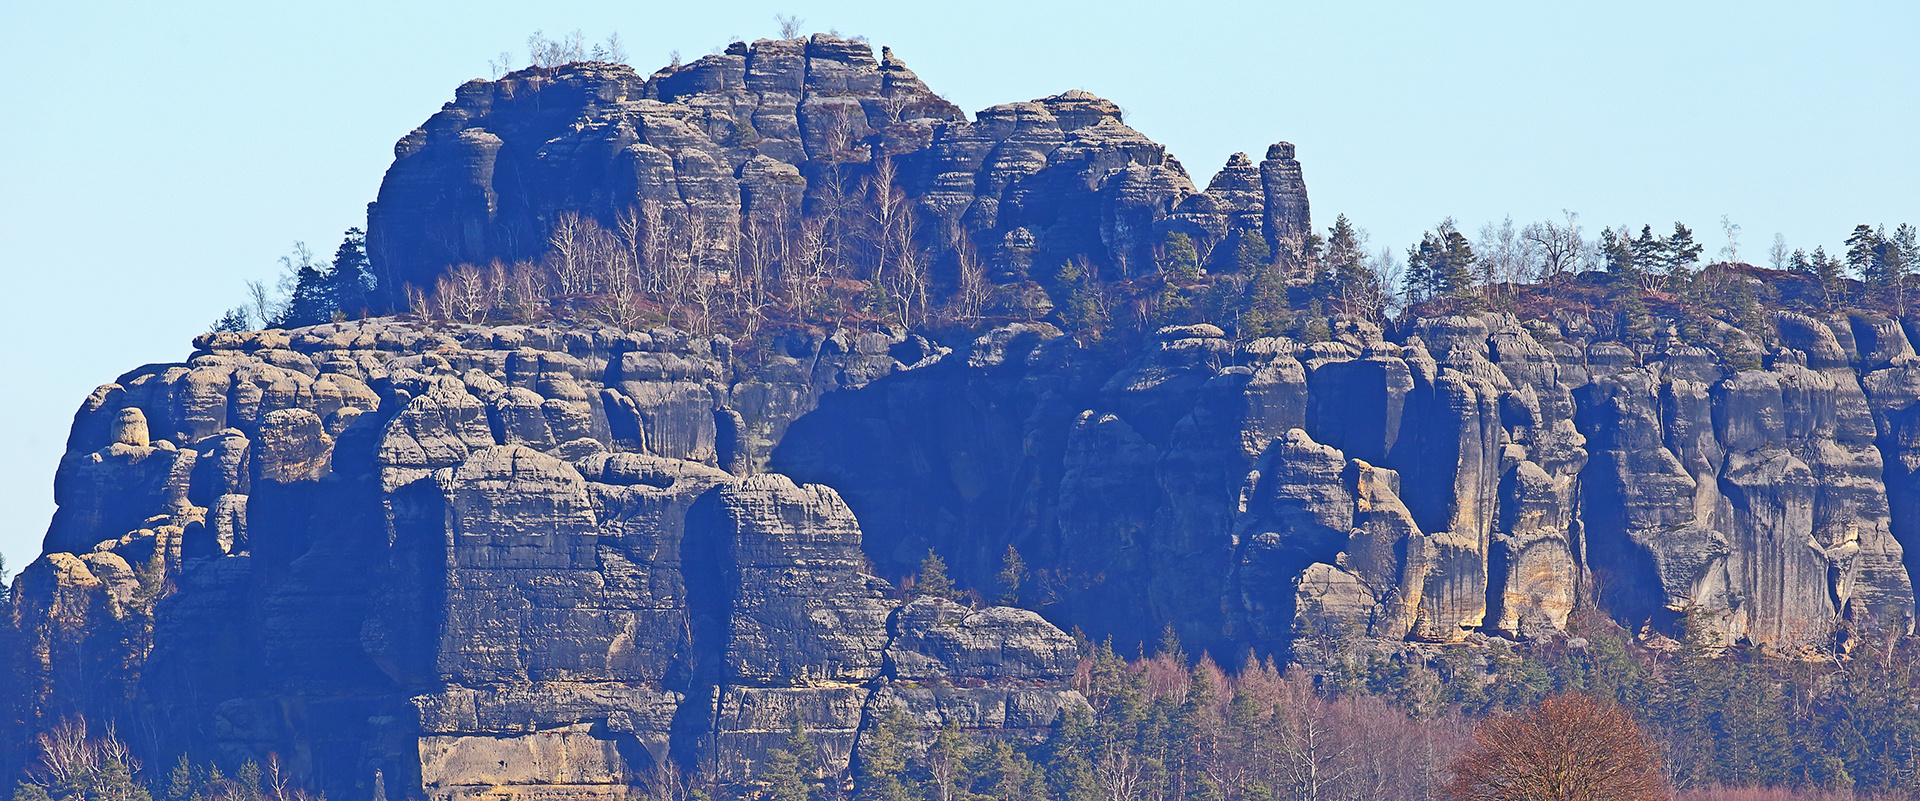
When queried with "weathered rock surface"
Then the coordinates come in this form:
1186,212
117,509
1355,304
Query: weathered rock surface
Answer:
542,562
517,568
535,561
748,133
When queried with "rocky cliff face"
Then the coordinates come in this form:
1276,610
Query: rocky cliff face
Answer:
743,138
550,561
546,560
491,561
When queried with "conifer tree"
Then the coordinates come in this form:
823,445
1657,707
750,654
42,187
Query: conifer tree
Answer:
1250,252
790,769
1170,646
234,320
1080,308
1349,281
881,760
1825,270
999,773
1069,771
349,278
943,768
933,581
1265,307
1678,252
1441,265
1179,261
1013,570
1313,324
1622,259
310,303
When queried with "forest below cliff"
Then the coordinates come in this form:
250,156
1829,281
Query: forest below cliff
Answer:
768,427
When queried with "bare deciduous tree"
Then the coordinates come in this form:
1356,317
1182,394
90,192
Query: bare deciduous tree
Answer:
464,294
1571,748
544,52
1559,245
527,291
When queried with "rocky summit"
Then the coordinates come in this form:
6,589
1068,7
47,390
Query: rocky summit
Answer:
743,135
555,560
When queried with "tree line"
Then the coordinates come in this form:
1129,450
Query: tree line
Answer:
1358,719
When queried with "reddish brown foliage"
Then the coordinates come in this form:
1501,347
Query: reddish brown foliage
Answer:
1771,794
1572,748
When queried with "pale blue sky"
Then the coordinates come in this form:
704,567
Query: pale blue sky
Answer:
153,157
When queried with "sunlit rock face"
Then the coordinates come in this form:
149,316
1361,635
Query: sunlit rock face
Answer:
551,561
548,559
716,151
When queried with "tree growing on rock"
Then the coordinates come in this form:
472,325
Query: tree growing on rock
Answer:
1179,260
308,301
1571,748
1013,570
791,769
880,760
1442,265
233,321
74,767
349,279
933,580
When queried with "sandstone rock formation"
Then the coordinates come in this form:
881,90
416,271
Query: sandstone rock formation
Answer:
745,135
491,561
552,561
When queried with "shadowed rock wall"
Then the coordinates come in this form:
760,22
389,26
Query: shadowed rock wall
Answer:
500,559
549,561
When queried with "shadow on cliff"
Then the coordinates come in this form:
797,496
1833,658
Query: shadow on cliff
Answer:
1625,581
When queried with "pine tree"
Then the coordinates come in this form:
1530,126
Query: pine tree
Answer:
943,769
1678,252
1313,324
1265,309
1906,247
180,780
1069,771
1648,250
1902,254
1441,265
114,782
999,773
790,770
881,764
1013,570
1824,269
235,320
1179,266
1458,275
1179,261
350,278
1250,252
1170,646
1865,247
1623,261
310,303
933,581
1079,308
1348,278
